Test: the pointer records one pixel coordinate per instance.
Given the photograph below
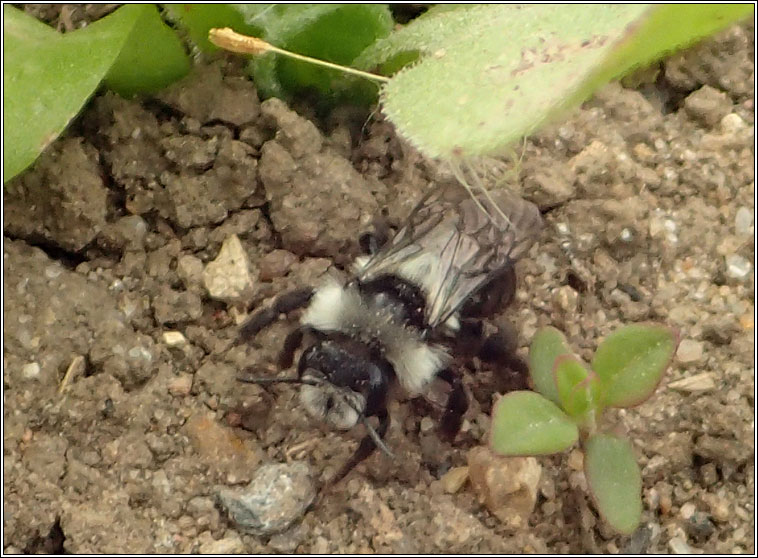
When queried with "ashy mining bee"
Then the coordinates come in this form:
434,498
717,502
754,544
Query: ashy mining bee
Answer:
409,308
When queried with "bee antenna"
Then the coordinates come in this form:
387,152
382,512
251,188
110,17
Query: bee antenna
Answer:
371,430
376,438
265,381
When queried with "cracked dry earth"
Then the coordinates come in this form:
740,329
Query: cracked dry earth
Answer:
135,245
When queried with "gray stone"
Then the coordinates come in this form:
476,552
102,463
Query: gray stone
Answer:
277,496
689,351
708,105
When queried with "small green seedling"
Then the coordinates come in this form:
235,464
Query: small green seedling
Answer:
571,398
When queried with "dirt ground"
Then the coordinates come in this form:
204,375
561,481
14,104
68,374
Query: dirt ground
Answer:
122,417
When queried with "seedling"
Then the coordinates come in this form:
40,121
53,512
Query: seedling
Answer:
571,398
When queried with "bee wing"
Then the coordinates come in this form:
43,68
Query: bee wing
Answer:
490,235
451,245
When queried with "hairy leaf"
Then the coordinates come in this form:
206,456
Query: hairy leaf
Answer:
486,75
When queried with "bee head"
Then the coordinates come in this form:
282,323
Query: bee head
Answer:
339,407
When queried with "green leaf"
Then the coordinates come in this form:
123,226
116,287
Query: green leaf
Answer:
615,482
49,76
548,344
631,361
152,58
525,423
490,74
577,386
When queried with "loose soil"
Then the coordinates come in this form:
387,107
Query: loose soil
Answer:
117,437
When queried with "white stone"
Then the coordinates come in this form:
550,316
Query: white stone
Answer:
30,371
228,277
732,123
743,222
687,510
696,383
680,546
174,339
737,267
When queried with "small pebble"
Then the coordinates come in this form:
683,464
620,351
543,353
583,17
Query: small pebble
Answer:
288,541
566,299
699,527
223,547
709,474
320,546
743,222
190,270
697,383
507,486
737,267
732,123
427,424
708,105
679,546
174,339
53,271
576,460
181,385
689,351
30,371
454,479
720,510
687,510
276,264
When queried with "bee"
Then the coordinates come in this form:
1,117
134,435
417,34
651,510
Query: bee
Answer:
411,305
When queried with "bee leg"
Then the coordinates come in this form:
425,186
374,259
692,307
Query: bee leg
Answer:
494,296
283,304
371,242
457,404
291,344
499,349
365,449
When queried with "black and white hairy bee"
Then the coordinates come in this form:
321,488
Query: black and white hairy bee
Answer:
410,306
